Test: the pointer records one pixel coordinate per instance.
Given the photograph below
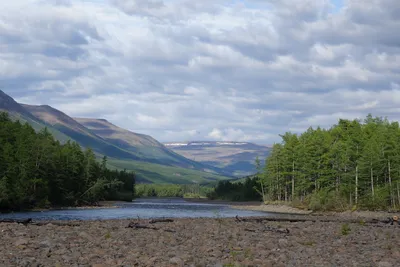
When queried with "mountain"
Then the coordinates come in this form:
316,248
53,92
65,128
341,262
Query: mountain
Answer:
18,112
236,158
77,132
151,160
145,147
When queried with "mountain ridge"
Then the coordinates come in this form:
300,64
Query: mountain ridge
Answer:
151,159
235,157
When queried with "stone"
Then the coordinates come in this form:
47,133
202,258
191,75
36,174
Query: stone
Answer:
384,264
283,243
176,261
21,242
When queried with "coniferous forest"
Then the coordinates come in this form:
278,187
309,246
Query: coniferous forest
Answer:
38,171
353,164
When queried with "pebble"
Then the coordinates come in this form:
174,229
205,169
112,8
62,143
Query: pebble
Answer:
195,242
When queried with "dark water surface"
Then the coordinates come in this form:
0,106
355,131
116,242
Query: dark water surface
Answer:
142,208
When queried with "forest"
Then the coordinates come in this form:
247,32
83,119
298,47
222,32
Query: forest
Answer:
172,190
354,164
38,171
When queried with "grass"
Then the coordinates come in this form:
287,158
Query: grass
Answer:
156,173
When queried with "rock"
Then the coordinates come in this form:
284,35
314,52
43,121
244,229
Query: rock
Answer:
283,243
384,264
21,242
176,261
84,235
45,244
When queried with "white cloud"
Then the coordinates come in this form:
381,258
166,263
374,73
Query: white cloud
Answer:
212,69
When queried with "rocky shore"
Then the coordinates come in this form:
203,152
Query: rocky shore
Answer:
272,209
201,242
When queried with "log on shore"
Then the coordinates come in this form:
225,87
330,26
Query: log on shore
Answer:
160,221
24,221
388,221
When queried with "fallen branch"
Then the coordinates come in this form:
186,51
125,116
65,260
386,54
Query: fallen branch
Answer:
259,220
388,221
160,220
136,225
55,223
277,230
140,226
24,222
269,229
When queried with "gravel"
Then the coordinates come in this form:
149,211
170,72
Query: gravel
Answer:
199,242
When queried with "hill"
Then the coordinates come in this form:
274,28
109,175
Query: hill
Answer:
143,146
18,112
236,158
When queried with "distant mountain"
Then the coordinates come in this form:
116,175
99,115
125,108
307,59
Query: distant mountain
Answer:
151,160
236,158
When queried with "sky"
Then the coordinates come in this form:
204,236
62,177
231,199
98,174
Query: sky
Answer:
225,70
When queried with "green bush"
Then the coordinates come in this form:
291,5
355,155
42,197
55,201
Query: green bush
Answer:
327,200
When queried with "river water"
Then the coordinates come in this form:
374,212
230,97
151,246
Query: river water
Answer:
142,208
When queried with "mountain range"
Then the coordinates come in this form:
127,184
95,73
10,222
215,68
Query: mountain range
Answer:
236,158
151,160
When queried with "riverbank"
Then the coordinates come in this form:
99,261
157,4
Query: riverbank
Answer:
199,242
285,209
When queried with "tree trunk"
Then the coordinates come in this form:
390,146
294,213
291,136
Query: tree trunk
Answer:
286,193
356,189
293,181
398,192
372,181
390,186
262,190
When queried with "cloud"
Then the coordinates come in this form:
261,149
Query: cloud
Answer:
223,70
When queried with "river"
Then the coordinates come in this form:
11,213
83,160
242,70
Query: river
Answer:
139,208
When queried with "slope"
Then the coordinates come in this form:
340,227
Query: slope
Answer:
144,146
77,132
18,112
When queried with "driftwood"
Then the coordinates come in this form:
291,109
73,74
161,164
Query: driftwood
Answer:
272,219
41,223
24,222
389,221
55,223
160,220
136,225
269,229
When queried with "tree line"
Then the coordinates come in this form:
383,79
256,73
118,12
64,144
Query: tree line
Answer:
38,171
248,189
172,190
354,163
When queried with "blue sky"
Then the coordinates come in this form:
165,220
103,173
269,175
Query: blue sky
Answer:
183,70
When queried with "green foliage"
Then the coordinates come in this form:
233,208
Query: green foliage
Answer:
238,191
327,200
352,164
345,230
170,190
38,171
